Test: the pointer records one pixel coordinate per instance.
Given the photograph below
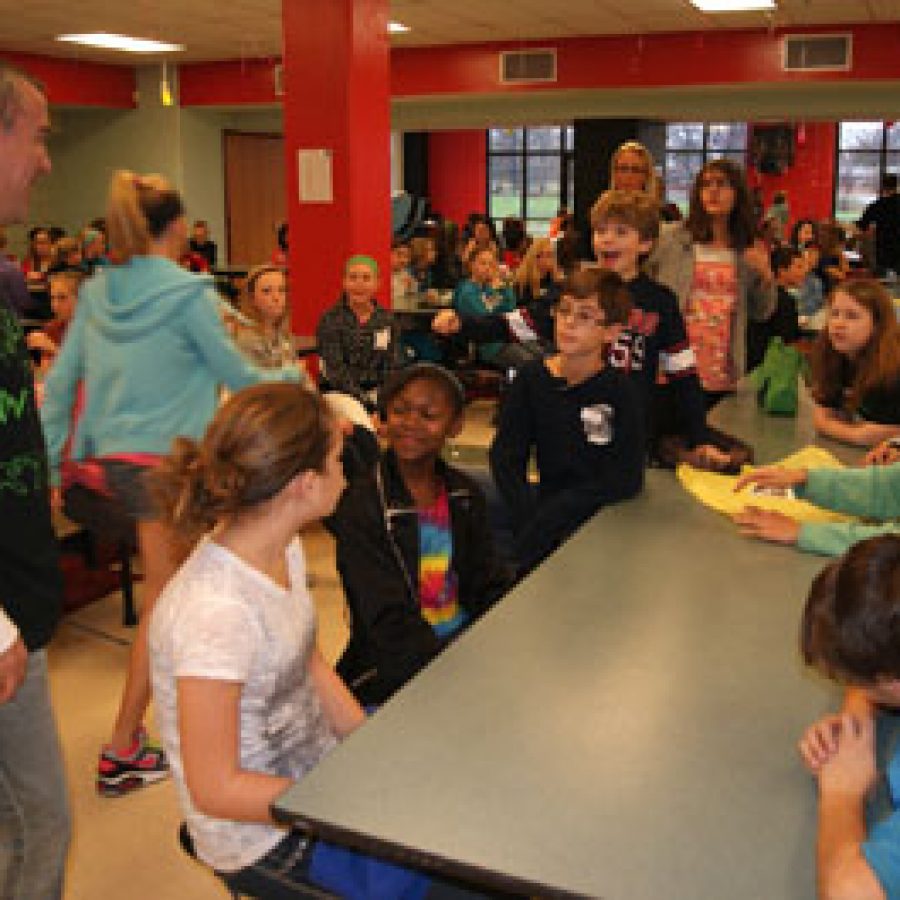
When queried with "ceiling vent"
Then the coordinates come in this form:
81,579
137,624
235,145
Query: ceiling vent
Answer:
527,66
817,52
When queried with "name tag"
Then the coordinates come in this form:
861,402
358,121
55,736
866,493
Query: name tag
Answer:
597,422
383,339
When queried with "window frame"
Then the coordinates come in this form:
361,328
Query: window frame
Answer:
566,156
883,170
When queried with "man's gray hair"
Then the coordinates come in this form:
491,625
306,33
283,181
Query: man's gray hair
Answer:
11,80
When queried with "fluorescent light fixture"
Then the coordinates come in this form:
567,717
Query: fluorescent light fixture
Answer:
397,28
120,42
733,5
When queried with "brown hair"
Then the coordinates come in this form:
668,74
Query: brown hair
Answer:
850,628
831,238
528,274
249,307
418,248
878,363
638,210
72,276
63,247
608,287
741,221
259,440
650,185
140,208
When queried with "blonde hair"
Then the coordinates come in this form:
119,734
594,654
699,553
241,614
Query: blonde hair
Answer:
650,184
260,439
528,274
248,304
139,209
636,209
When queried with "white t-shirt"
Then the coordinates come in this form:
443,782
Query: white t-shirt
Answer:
220,618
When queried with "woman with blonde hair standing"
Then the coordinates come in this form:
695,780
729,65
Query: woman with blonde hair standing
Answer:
149,345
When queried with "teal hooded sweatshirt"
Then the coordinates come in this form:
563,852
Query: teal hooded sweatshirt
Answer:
872,492
148,343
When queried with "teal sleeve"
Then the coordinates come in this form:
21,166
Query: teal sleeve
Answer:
60,388
836,538
508,303
873,491
222,357
882,852
467,300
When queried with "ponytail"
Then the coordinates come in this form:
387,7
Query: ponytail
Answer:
140,208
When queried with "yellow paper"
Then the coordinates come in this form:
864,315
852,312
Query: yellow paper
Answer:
717,491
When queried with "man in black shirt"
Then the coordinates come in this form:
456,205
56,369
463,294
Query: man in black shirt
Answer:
34,816
884,214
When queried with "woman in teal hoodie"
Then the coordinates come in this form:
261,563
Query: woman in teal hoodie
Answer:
872,492
148,345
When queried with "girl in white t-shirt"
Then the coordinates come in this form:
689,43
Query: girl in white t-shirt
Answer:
245,702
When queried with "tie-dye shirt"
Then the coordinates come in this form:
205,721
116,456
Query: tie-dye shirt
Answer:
438,586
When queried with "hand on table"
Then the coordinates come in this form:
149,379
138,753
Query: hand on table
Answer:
776,477
884,454
446,323
767,525
850,768
12,670
708,456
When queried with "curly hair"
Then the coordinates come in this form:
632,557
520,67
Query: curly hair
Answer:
259,440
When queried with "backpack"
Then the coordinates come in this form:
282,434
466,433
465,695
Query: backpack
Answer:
776,378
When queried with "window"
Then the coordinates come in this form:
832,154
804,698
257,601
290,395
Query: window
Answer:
531,174
690,144
866,151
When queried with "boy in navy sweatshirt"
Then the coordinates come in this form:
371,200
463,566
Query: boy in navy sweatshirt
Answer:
625,225
584,419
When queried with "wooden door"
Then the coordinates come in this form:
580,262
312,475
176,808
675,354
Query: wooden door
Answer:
254,195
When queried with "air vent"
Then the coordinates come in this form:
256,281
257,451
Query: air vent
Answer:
817,52
527,66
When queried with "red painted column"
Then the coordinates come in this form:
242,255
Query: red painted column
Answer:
337,98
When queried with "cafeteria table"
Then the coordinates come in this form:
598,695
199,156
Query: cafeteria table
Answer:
622,725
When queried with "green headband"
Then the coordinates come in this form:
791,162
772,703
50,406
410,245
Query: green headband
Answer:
362,260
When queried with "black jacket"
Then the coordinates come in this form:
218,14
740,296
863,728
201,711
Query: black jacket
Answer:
377,531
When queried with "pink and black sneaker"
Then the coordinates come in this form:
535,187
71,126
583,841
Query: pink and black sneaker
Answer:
119,774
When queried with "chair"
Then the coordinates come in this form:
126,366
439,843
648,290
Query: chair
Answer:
104,520
311,892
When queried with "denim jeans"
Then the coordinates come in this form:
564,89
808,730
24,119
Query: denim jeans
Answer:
34,809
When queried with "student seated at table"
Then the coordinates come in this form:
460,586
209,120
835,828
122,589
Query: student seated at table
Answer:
64,287
849,633
93,249
484,293
358,340
789,269
202,244
266,339
811,296
39,258
833,267
625,227
245,701
414,548
66,255
856,366
538,284
480,235
584,419
402,282
422,260
872,492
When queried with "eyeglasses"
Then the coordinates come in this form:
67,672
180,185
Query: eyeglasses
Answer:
581,317
632,170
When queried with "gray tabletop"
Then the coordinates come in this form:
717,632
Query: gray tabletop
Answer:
622,725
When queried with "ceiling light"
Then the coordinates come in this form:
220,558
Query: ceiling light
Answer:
120,42
733,5
397,28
